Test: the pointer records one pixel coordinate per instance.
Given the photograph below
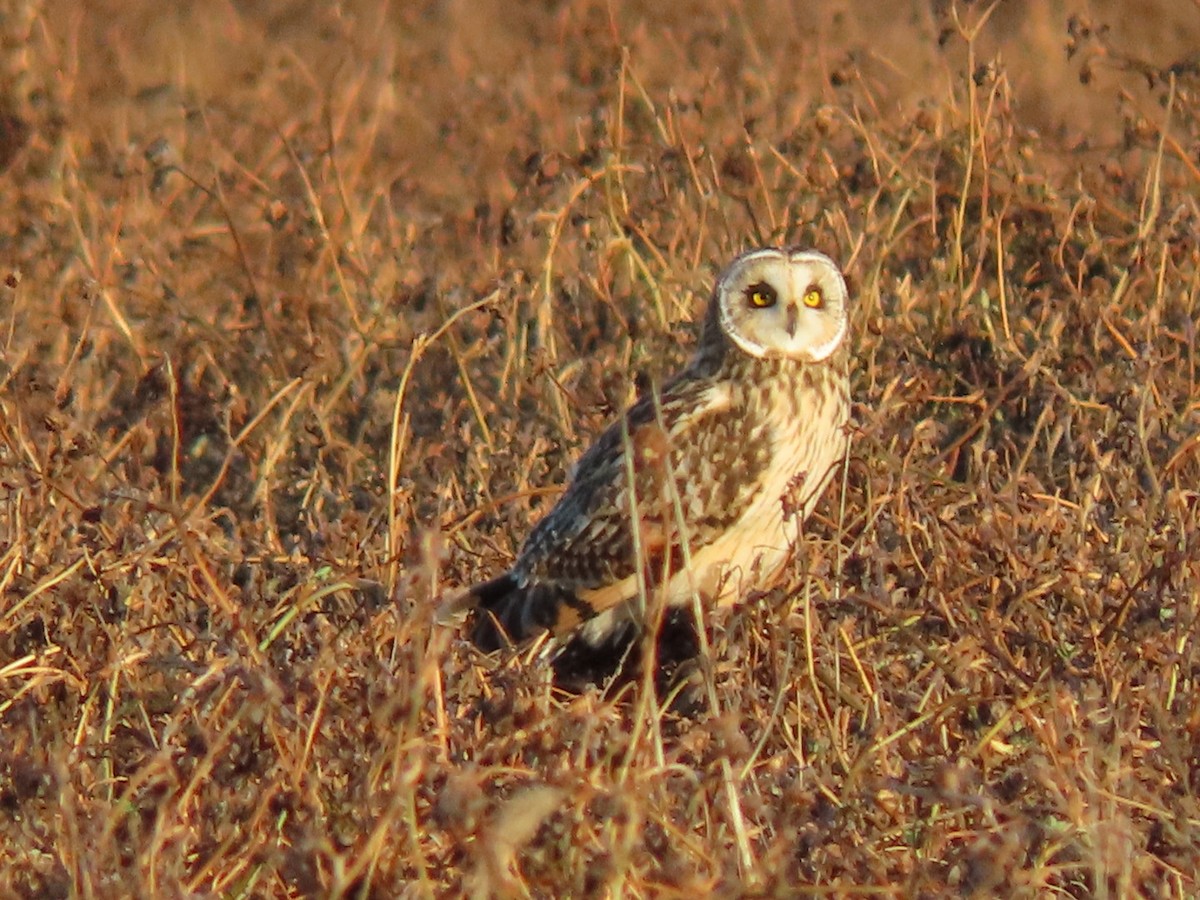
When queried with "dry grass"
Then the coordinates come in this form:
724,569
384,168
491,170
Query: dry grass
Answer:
308,309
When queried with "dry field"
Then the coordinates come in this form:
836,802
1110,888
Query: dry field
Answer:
306,309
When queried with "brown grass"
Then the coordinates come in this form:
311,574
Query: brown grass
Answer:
308,308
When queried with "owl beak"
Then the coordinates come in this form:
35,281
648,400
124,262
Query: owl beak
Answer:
793,319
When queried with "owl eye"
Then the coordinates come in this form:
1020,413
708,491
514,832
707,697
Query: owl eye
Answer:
761,295
813,298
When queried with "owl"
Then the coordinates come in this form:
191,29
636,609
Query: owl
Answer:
701,487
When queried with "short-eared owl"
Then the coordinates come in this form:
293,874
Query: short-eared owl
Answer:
701,487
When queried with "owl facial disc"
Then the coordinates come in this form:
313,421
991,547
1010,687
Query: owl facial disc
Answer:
784,303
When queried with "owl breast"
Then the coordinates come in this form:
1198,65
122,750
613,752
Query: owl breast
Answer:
805,449
801,413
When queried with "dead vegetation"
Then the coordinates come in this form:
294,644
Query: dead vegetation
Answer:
307,311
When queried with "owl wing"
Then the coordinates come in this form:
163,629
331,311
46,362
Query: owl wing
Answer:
581,558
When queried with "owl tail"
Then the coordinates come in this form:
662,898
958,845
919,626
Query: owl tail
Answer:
499,614
507,613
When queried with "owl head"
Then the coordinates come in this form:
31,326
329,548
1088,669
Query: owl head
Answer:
787,304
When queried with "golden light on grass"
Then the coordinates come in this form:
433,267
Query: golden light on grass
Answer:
305,310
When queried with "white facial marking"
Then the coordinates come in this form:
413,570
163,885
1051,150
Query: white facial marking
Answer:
786,326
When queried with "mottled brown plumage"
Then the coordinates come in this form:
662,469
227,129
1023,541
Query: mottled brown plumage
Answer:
720,468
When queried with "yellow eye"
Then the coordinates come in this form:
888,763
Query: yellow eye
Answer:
761,295
814,299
